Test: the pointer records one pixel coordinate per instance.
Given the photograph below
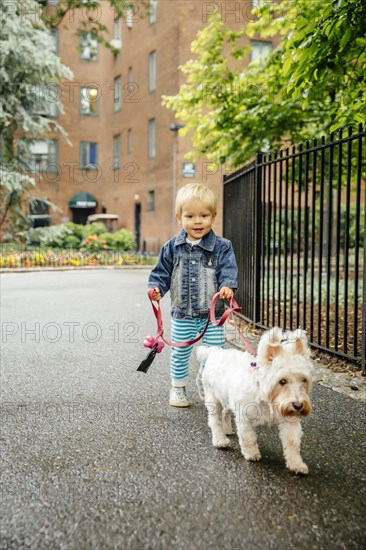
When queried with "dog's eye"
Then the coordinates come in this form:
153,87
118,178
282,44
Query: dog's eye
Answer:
283,382
305,380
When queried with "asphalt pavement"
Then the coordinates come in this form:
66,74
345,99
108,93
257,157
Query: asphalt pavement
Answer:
93,457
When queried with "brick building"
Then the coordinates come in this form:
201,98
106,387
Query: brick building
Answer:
125,156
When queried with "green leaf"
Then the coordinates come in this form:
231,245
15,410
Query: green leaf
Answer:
287,64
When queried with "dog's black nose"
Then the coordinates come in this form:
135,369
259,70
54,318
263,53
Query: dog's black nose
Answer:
297,405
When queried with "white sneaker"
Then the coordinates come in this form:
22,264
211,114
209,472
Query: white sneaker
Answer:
178,397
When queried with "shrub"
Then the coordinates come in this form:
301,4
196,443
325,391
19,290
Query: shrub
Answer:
121,240
76,230
71,241
96,228
53,236
72,235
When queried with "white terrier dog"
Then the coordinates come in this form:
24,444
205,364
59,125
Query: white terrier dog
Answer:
272,388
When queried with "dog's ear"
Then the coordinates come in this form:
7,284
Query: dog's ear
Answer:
268,351
272,351
300,346
301,343
269,345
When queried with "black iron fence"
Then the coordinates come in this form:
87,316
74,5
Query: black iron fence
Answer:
296,219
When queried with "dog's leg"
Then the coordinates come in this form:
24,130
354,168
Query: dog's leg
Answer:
290,434
226,420
248,441
214,409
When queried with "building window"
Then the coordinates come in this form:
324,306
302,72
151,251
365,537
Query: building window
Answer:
43,156
152,138
54,36
88,155
39,214
151,201
260,50
116,152
152,11
152,71
88,46
117,94
46,99
129,141
118,29
89,101
129,18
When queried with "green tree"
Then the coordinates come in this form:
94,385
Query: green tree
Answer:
55,12
314,81
28,68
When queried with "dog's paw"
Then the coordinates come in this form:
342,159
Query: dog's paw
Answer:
298,468
253,456
221,442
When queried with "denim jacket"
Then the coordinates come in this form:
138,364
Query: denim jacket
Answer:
194,273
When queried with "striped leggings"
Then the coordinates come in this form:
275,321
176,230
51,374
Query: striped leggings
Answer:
187,329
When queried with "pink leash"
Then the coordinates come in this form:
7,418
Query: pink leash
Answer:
149,341
156,344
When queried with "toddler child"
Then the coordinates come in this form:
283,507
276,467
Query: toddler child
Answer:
194,265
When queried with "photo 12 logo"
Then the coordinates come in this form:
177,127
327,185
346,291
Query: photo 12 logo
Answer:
230,12
243,12
68,331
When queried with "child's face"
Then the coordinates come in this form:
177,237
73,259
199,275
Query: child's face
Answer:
196,219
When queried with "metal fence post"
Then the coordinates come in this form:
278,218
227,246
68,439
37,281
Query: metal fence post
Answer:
363,336
258,237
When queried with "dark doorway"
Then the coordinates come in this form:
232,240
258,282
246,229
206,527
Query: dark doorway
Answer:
137,225
80,215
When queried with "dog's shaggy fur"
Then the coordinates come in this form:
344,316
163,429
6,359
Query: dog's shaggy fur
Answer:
272,388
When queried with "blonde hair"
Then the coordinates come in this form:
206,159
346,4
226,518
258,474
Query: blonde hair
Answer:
195,191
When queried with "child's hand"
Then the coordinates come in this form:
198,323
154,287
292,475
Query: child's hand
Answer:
155,295
226,292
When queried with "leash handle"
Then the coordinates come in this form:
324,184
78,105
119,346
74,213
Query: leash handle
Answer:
211,317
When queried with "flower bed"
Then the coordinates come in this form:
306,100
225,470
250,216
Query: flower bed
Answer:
72,257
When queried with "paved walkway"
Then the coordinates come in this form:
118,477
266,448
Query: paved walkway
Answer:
94,458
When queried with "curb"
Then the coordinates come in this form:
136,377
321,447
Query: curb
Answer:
71,268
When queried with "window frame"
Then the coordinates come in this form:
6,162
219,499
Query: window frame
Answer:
55,39
117,105
117,149
48,107
152,11
152,139
91,37
152,71
117,29
129,141
151,201
89,165
52,157
129,18
254,43
90,113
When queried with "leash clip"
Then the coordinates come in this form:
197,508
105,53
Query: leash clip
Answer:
150,342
